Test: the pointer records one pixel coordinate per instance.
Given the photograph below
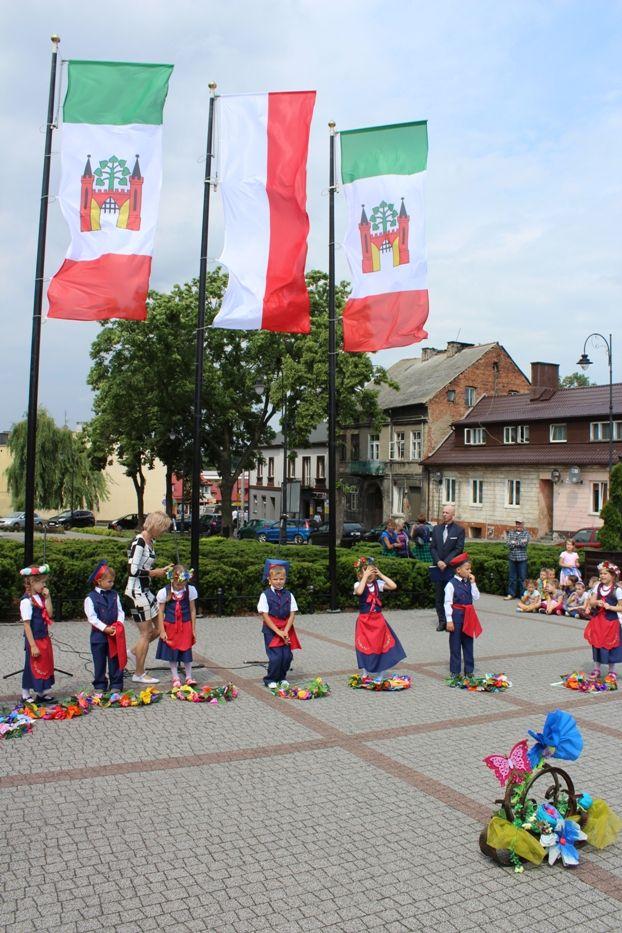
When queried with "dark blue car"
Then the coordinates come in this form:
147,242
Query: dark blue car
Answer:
298,532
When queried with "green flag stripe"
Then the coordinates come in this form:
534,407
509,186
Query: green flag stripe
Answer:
400,149
115,92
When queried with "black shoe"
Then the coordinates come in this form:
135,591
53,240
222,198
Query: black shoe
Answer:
44,699
441,627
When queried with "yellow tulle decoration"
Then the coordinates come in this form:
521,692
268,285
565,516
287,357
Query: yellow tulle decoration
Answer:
603,825
504,835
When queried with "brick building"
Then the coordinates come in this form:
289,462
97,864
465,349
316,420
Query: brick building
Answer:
381,469
541,454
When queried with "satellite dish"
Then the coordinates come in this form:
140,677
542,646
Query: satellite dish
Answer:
555,476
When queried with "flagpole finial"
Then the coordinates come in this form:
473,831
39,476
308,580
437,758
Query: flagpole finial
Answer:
55,40
332,125
212,86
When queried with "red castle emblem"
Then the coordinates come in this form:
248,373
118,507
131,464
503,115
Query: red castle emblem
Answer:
390,235
119,193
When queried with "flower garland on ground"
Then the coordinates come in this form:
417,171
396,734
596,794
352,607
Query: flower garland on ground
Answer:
523,830
206,694
310,690
585,683
392,682
14,725
488,683
126,699
74,706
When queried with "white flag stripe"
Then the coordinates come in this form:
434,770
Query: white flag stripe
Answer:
243,172
101,142
370,192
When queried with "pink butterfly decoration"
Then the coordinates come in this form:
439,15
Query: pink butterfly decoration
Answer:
516,764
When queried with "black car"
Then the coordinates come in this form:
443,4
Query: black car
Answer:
209,524
351,534
72,518
125,523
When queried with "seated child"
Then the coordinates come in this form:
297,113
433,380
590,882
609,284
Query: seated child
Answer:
103,609
177,618
278,607
552,602
542,580
531,599
576,602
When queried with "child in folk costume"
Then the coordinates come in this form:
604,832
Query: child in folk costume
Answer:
36,611
463,624
278,609
177,618
378,648
103,610
569,564
603,631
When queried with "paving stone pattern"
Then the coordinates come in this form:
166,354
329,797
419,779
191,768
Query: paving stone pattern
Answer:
357,812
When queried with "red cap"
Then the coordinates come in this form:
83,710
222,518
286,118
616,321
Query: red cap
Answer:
459,560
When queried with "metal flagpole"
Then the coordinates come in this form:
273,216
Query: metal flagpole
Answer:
332,390
195,527
35,346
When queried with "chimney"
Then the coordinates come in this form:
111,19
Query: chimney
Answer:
456,346
428,352
544,381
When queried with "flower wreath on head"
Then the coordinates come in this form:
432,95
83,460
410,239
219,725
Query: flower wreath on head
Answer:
35,571
361,563
182,576
609,566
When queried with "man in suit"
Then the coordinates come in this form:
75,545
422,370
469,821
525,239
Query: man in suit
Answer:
447,542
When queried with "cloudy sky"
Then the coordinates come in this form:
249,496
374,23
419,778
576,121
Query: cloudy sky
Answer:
524,103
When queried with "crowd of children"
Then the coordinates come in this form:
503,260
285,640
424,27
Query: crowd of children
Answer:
560,592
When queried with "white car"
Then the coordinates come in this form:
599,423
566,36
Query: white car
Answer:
16,522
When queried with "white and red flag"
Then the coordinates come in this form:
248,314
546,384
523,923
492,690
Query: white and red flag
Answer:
264,140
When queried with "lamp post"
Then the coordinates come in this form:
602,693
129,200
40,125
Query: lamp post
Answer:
584,361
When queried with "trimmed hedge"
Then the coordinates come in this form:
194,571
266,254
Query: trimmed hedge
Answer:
235,567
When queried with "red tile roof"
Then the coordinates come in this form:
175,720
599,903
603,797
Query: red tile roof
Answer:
588,402
594,454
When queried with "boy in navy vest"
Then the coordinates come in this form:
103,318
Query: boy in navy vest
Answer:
278,608
103,609
463,624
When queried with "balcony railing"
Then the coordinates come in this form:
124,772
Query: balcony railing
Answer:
366,467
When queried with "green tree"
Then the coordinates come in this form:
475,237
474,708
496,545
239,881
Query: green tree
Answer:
143,378
610,535
65,474
574,381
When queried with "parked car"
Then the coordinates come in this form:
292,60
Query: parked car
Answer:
76,518
209,524
351,534
586,537
252,527
125,523
16,520
299,531
374,533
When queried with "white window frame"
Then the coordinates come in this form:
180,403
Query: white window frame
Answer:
416,444
259,470
474,437
599,430
516,434
477,492
450,486
291,468
373,446
306,471
600,489
469,396
270,468
513,493
353,502
320,467
558,440
398,446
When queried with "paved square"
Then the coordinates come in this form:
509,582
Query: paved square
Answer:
360,811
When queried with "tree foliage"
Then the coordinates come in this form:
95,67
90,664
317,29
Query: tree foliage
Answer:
610,535
65,476
574,381
143,378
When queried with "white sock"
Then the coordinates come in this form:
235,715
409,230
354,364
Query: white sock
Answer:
25,694
174,671
188,669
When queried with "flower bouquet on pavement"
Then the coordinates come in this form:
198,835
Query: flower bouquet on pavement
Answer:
525,829
205,694
391,682
309,690
15,724
588,683
127,699
71,708
487,683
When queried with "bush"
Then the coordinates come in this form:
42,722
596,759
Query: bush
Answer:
235,567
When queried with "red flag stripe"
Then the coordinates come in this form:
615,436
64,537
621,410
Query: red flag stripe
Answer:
112,286
381,321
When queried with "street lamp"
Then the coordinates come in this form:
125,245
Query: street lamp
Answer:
584,361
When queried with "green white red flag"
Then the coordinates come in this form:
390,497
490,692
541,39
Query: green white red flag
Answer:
383,171
111,155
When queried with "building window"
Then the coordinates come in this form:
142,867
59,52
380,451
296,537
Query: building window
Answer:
477,492
355,447
271,471
557,434
599,431
513,492
343,450
353,500
306,471
416,445
474,436
260,471
374,447
320,468
516,434
600,493
451,395
397,445
291,468
469,396
450,490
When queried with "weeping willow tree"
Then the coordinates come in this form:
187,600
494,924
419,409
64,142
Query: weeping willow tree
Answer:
65,477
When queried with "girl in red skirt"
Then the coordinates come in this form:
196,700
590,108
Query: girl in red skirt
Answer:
378,648
603,631
36,611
